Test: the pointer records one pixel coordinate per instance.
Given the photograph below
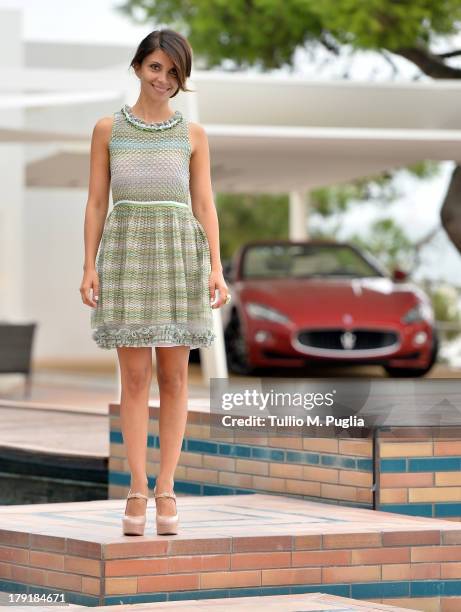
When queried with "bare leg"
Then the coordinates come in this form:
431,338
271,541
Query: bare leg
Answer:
136,377
172,371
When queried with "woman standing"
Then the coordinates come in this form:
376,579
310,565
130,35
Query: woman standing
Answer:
154,279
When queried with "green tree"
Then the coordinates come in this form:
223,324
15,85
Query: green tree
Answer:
241,217
386,240
266,34
389,243
445,303
381,189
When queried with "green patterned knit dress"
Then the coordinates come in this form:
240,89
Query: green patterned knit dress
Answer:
154,259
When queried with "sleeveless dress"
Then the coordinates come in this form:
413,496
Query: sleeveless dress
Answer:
153,261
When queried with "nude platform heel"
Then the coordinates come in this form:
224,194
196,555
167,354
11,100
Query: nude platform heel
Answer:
134,525
166,525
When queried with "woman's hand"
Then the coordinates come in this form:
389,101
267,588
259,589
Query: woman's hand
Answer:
90,281
216,281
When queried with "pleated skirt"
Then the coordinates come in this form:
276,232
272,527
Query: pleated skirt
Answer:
153,265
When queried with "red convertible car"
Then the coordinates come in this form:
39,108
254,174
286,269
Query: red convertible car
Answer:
296,303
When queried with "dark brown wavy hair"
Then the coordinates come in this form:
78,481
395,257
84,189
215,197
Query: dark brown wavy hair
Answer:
175,45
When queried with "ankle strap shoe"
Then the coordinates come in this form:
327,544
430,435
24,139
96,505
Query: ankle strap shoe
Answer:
166,525
132,524
170,495
140,495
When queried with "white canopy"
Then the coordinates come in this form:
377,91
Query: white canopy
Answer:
266,133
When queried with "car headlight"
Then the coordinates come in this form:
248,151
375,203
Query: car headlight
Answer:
258,311
421,312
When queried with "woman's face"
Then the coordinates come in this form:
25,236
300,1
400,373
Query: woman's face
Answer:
158,75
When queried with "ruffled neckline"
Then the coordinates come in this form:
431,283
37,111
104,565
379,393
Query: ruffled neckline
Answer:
157,125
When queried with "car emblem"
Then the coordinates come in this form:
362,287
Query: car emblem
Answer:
347,318
348,340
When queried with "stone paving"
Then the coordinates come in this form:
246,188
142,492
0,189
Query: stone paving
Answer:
313,602
70,406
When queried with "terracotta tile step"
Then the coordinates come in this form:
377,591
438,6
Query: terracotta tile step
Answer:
229,547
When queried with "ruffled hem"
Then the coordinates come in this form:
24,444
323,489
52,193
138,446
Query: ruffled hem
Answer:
149,335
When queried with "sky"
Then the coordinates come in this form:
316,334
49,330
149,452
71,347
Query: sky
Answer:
81,20
97,21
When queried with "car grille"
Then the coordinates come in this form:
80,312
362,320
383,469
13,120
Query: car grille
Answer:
350,342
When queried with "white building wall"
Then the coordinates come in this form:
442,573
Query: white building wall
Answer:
54,254
12,264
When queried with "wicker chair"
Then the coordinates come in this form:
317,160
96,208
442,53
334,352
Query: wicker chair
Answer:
16,350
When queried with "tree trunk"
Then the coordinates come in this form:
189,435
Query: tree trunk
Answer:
435,67
429,63
450,213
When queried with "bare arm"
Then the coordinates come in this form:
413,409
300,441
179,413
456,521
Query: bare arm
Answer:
204,208
97,205
201,192
98,190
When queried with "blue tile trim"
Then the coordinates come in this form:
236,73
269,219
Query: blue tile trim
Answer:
434,588
202,594
119,478
116,437
363,590
275,590
451,587
201,488
447,509
184,486
200,446
410,509
13,587
302,457
343,590
421,464
393,465
113,600
271,454
375,590
339,461
210,489
153,441
257,452
234,450
434,464
365,465
245,592
427,588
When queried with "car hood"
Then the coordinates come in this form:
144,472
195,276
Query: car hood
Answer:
328,300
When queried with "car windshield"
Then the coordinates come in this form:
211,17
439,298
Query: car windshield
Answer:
307,260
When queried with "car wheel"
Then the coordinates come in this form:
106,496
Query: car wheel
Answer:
416,372
236,350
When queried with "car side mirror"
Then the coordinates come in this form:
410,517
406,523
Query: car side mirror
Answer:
399,275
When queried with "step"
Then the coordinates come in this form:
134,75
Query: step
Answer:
408,470
231,546
313,602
